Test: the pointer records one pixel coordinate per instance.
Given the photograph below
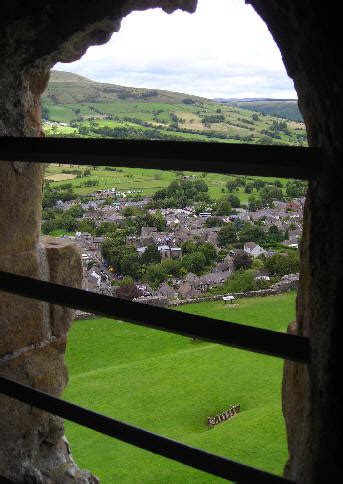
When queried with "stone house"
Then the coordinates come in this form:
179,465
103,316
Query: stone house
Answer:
212,279
186,290
253,249
148,231
115,218
166,291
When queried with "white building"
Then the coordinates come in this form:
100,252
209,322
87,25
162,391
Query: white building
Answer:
253,249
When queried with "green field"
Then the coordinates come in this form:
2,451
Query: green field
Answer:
169,384
149,181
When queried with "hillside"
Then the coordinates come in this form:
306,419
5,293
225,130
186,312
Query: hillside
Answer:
169,384
94,109
282,108
66,88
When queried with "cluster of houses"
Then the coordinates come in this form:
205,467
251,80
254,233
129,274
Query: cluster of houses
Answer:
181,225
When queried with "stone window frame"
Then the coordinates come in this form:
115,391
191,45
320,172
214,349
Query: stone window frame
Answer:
301,31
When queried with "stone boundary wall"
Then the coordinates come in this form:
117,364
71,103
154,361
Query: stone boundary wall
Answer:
287,283
84,315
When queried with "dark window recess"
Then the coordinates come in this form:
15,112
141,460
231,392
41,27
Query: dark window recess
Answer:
284,161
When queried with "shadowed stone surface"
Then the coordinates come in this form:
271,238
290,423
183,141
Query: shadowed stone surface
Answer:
307,35
35,36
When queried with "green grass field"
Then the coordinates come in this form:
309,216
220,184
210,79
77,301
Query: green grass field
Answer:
149,181
170,385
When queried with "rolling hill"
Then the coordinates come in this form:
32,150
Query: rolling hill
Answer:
282,108
66,88
94,109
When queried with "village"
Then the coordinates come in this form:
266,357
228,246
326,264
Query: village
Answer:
183,228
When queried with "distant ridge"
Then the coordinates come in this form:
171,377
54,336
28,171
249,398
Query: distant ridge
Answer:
252,99
282,108
69,88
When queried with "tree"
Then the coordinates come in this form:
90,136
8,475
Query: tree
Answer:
270,193
155,220
90,183
242,281
214,222
213,118
241,181
231,185
188,247
130,263
274,234
106,228
242,260
209,252
195,262
200,185
68,222
251,233
181,193
254,203
258,184
48,226
227,235
86,226
75,211
277,183
295,188
151,255
171,267
130,211
154,275
282,264
248,188
222,207
234,201
112,249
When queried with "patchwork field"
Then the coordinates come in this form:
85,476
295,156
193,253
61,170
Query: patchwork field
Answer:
60,177
95,110
148,181
170,385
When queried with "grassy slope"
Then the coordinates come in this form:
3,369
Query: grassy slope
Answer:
69,96
168,384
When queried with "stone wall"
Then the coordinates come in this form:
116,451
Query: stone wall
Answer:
307,34
36,35
32,345
287,283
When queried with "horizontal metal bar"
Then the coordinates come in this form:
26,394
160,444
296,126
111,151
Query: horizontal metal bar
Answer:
259,340
241,159
152,442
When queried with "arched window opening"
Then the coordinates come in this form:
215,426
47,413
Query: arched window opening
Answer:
209,204
174,238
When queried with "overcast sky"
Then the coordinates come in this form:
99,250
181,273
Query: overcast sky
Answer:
224,49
